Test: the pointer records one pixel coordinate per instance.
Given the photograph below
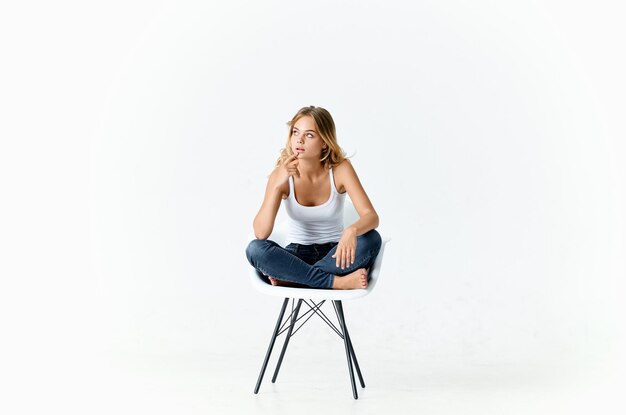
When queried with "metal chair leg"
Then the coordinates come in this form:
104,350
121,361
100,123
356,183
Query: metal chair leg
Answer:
271,346
346,341
352,352
356,363
294,317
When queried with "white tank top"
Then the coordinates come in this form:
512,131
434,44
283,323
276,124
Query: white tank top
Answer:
315,224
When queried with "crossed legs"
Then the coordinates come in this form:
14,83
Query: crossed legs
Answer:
286,267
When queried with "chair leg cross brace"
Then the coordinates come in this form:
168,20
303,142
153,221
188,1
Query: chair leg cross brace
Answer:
293,319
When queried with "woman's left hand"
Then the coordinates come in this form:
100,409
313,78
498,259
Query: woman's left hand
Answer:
346,248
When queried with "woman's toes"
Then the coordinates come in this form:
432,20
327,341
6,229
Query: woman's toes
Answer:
364,279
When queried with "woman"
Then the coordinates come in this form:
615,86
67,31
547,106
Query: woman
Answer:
312,177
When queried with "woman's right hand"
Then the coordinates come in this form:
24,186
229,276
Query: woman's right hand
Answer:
288,168
264,220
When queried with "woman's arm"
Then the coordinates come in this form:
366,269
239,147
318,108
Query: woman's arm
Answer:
277,185
368,218
264,220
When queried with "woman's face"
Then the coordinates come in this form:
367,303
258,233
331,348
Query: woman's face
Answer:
305,140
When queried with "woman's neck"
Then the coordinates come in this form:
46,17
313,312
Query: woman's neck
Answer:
311,170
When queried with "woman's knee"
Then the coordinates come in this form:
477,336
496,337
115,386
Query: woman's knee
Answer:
257,248
371,239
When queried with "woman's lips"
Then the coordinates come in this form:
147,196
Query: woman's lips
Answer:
299,149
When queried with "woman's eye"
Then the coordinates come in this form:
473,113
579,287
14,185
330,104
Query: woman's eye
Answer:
294,132
310,135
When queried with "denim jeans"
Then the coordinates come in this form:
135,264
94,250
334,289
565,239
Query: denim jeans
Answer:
310,265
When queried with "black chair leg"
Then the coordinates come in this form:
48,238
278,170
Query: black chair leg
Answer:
271,346
356,363
352,352
346,341
294,317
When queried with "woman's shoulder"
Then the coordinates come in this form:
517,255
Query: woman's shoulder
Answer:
344,168
284,188
342,173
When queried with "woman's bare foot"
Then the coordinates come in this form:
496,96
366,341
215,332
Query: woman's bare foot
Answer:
282,283
354,280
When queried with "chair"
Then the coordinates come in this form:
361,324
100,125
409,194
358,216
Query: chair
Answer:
320,295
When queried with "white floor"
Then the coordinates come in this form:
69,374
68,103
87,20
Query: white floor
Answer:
310,382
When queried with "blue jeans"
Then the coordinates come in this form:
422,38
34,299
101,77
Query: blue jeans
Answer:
310,265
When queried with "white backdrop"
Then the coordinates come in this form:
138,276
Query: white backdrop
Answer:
137,138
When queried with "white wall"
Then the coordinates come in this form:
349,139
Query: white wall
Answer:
137,137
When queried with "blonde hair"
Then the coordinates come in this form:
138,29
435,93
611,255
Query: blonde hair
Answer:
332,155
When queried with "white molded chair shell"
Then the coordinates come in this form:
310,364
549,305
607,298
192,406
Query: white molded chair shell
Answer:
279,236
